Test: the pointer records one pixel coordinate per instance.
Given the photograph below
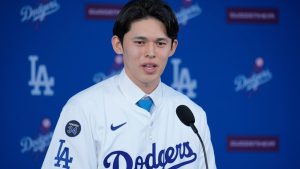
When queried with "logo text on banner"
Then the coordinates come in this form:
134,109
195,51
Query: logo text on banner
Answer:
187,13
182,79
40,78
39,14
102,11
259,76
252,15
253,143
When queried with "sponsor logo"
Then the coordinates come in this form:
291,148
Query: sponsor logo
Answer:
182,81
73,128
114,128
188,12
39,144
102,11
252,15
258,77
164,157
253,143
39,13
115,69
40,78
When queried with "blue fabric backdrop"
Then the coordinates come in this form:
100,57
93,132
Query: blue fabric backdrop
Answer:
239,60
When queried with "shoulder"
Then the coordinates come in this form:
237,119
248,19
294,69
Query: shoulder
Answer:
95,93
178,98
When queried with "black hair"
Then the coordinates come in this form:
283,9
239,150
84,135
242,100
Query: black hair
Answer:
139,9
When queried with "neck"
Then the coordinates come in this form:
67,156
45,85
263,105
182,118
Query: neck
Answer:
148,88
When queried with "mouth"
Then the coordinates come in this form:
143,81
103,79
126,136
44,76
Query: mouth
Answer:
149,68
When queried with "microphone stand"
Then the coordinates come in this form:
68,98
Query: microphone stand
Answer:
196,131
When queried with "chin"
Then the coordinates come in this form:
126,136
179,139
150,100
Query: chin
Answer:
151,81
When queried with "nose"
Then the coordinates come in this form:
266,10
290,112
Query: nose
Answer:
150,50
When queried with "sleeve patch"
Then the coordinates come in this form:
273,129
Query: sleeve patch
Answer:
73,128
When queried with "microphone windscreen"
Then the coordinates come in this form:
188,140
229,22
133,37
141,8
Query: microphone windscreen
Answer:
185,115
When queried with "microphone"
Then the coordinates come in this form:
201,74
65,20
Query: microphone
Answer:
187,118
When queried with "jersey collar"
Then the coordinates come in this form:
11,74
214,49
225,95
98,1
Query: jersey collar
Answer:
133,93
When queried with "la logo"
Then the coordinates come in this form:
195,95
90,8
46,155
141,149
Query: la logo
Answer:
63,156
39,78
182,79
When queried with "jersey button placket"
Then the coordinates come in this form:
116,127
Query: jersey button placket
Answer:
150,131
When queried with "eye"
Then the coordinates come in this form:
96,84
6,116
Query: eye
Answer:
161,44
139,43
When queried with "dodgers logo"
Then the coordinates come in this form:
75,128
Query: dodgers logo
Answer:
187,13
116,69
39,78
63,156
39,144
36,145
153,160
253,82
182,79
39,14
258,78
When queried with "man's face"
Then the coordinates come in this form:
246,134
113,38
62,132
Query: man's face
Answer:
146,49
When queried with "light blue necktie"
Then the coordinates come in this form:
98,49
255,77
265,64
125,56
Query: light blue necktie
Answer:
145,103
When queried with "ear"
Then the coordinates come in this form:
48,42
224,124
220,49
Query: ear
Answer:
116,44
174,46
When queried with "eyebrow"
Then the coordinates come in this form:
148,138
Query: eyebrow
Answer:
144,38
139,38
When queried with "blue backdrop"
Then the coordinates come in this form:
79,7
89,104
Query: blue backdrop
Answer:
239,60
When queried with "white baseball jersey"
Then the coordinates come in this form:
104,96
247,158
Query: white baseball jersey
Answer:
102,127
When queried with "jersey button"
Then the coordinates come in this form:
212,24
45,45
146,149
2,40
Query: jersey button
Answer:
150,137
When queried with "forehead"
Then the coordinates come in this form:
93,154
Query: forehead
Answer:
147,27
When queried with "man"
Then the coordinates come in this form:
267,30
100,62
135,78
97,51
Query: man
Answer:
129,120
